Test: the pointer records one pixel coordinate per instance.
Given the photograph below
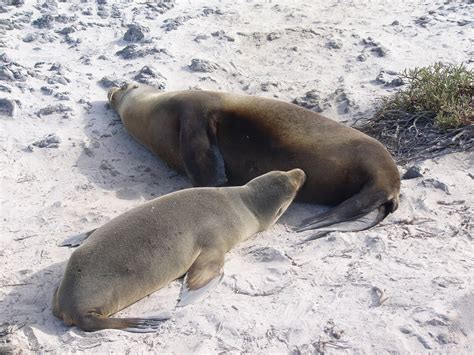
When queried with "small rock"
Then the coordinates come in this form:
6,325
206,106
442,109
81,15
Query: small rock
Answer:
380,51
412,172
134,33
369,41
311,101
200,38
7,107
395,23
49,6
107,82
49,110
62,96
49,141
273,36
362,57
46,90
423,21
16,3
6,73
334,44
161,6
132,51
150,76
58,68
66,30
103,13
463,22
219,34
172,24
210,11
5,88
65,19
203,66
30,37
389,78
45,21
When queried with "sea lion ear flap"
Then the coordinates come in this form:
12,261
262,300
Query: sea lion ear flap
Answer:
203,161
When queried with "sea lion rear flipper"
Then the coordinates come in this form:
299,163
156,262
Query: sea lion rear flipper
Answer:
203,276
76,240
203,161
359,224
368,207
93,322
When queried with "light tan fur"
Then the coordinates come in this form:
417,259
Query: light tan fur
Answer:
145,248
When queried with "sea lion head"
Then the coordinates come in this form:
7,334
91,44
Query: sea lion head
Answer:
116,94
270,194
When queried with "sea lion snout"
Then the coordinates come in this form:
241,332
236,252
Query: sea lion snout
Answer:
298,177
111,93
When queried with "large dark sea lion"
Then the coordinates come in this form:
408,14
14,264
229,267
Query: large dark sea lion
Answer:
185,232
218,138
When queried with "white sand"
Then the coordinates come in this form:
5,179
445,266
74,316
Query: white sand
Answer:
278,296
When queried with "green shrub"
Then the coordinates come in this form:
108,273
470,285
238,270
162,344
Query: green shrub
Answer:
433,114
446,90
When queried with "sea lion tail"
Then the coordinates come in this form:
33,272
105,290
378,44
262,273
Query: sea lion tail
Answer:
93,321
362,211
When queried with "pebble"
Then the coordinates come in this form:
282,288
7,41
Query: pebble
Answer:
107,82
45,21
132,51
311,100
134,33
7,107
171,24
30,37
334,44
202,66
49,141
49,110
150,76
412,172
389,78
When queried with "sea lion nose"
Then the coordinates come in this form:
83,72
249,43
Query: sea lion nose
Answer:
111,92
297,175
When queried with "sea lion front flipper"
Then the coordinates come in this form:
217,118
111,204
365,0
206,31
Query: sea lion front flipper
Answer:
76,240
203,276
203,161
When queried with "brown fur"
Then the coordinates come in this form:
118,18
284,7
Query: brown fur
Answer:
217,138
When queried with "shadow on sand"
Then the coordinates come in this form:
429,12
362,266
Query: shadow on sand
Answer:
112,160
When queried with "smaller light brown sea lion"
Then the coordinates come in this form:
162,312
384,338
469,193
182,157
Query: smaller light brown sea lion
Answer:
185,232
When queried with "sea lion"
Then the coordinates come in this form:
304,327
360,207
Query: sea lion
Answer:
218,138
142,250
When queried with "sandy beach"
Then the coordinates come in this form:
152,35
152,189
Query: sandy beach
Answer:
67,166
